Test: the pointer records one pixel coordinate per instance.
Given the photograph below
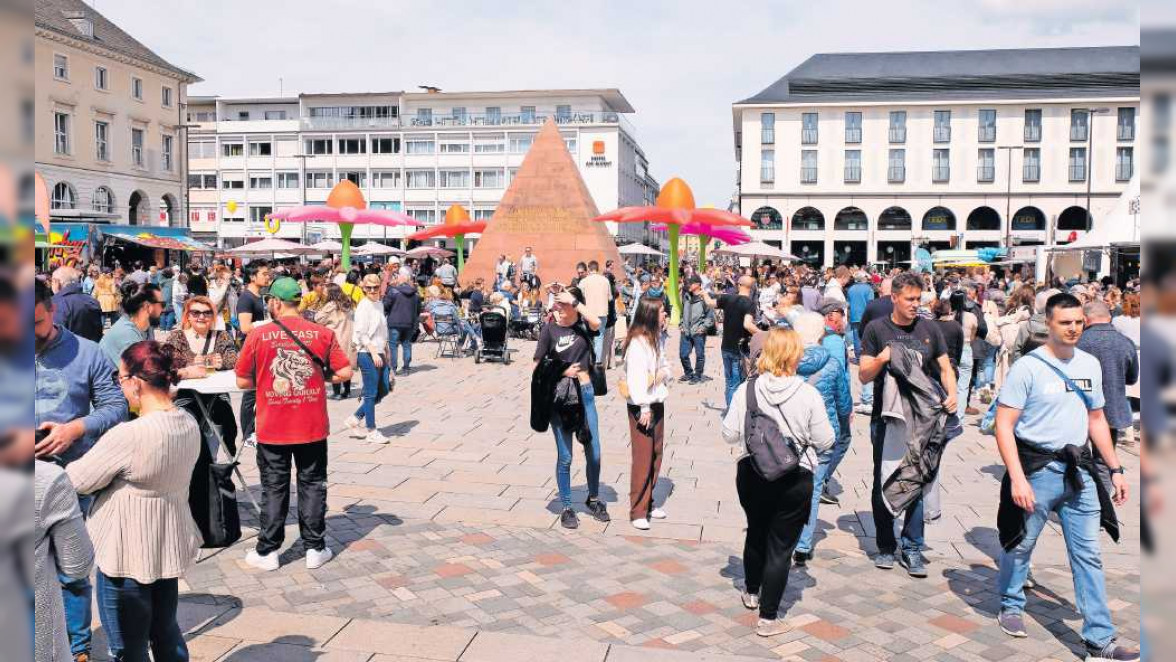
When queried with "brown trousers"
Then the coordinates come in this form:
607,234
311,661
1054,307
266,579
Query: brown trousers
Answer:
647,445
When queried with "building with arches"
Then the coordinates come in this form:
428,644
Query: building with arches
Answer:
853,158
108,136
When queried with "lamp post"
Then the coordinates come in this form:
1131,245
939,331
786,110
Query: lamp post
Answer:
1090,113
1008,239
302,186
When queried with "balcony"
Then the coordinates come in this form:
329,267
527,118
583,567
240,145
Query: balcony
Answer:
940,174
898,135
808,175
514,119
346,123
985,173
1032,133
896,174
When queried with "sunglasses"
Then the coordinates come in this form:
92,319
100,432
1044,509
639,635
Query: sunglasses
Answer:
200,313
371,288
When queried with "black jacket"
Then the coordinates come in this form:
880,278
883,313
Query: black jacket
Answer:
927,423
548,371
78,312
402,306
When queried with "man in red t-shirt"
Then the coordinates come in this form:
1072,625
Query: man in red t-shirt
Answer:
292,423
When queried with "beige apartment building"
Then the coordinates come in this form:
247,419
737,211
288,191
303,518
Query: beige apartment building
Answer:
862,157
109,120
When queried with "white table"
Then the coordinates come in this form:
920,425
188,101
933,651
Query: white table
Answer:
219,383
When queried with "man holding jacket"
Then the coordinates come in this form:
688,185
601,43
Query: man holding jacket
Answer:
402,306
696,319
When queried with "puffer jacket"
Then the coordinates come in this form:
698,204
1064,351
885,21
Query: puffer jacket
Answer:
696,316
819,368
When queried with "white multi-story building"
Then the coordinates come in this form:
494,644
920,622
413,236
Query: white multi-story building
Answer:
856,158
414,152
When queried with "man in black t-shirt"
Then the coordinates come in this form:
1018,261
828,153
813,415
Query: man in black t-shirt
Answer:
251,309
881,307
738,327
905,327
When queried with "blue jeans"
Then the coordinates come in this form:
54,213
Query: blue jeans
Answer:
855,336
913,526
598,341
402,338
138,617
964,383
375,388
469,332
697,344
76,595
826,467
732,372
867,399
167,321
987,372
564,442
1079,514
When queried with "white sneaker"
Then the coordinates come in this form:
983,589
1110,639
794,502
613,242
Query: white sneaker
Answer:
266,562
316,559
375,437
355,426
771,628
641,524
658,513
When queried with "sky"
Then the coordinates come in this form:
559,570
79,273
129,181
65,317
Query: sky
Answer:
680,63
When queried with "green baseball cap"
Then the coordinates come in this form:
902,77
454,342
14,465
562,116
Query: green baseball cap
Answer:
286,289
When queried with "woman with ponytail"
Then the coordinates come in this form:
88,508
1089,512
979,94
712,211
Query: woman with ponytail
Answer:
143,532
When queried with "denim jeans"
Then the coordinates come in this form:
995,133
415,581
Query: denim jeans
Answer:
697,344
167,321
732,373
913,525
470,334
598,341
827,464
76,595
867,399
855,337
1079,515
400,337
375,388
964,383
986,373
565,440
138,617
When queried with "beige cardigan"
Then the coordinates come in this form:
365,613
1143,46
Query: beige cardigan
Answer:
140,523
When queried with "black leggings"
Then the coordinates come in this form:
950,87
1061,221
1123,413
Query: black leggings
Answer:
776,514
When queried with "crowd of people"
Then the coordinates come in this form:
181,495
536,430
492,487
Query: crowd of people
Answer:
1043,367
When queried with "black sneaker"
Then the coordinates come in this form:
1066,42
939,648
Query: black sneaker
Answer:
568,519
1111,652
884,561
829,499
598,510
686,378
915,564
696,380
801,559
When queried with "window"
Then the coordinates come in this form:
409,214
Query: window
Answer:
232,149
243,116
483,214
165,96
385,145
455,148
257,214
808,166
420,179
424,117
489,145
767,166
1031,170
61,67
275,114
520,144
319,179
318,146
768,128
853,127
355,177
200,181
455,179
528,114
853,166
942,131
563,113
102,141
167,153
136,88
1079,125
229,184
1126,124
419,146
101,78
570,143
941,165
896,166
137,147
265,182
1077,164
493,115
352,145
898,126
103,200
202,150
808,128
458,114
261,149
386,179
491,178
1124,163
287,180
987,128
986,165
63,196
202,116
423,216
1033,125
61,141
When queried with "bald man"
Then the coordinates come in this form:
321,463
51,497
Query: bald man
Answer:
73,308
1120,367
738,327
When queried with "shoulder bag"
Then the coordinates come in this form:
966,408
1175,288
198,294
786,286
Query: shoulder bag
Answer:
328,372
773,454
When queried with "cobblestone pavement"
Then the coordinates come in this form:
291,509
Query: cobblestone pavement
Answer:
450,533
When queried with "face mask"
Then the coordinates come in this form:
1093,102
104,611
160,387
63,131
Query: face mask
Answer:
655,291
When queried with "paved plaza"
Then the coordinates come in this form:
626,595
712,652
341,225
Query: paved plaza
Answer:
448,548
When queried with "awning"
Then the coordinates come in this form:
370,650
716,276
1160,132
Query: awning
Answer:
179,243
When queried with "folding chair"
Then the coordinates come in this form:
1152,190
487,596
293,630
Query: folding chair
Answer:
448,336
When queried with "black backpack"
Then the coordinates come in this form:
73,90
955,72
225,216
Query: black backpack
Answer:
773,454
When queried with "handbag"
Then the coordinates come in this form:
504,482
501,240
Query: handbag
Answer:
222,527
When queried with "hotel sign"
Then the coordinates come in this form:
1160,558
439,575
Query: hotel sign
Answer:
598,159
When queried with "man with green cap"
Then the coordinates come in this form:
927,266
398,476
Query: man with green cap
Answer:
289,362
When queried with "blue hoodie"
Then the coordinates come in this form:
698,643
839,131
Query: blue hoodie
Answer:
830,381
76,380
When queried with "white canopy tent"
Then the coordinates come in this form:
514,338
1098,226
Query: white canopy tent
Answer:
639,249
272,246
757,249
373,249
1120,227
328,247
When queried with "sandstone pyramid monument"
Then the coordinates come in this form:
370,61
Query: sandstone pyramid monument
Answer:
547,207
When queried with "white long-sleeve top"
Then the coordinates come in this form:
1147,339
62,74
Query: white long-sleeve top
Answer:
645,371
370,328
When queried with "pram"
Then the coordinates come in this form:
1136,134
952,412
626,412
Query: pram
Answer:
527,326
494,337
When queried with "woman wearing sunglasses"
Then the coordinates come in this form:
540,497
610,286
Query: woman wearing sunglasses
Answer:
370,337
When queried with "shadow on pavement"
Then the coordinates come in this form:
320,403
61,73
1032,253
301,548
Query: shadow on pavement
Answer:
288,648
400,429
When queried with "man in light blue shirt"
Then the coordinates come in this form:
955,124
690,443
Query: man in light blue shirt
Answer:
142,309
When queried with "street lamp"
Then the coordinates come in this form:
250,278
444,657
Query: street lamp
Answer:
1091,112
302,186
1009,194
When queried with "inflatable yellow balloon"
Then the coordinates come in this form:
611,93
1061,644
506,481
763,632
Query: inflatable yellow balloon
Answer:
231,206
272,225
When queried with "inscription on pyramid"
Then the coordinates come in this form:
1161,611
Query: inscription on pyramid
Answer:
547,207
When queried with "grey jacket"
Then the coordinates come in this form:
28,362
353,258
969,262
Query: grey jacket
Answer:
1120,368
696,315
912,405
60,545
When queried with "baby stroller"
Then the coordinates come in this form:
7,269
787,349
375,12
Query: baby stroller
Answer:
527,326
494,336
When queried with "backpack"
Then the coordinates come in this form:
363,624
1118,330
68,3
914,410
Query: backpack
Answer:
773,454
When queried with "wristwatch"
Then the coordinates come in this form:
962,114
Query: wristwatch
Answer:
1119,470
